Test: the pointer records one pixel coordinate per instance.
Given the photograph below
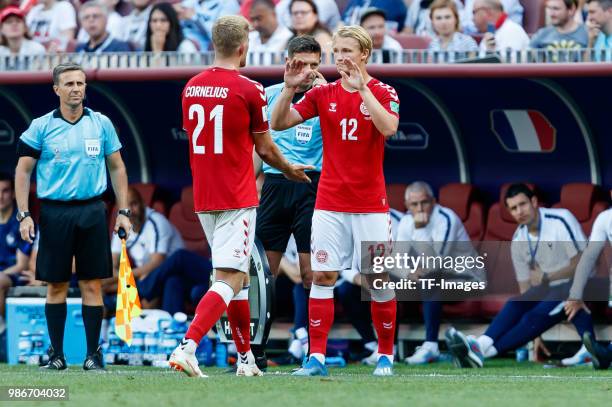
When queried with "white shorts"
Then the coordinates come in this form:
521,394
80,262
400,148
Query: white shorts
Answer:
337,236
231,235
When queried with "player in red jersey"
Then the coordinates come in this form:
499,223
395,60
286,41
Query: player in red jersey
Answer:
357,113
224,115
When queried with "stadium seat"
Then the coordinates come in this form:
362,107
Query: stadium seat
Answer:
534,16
395,195
462,199
412,41
584,201
182,215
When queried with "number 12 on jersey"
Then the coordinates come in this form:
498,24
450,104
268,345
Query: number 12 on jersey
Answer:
216,115
349,126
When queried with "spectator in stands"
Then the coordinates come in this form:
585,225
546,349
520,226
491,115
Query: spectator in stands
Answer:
52,23
395,12
14,251
113,23
418,20
198,16
14,38
135,23
329,15
373,20
150,242
305,21
164,32
434,230
93,16
545,250
564,32
599,24
500,32
268,35
513,8
445,21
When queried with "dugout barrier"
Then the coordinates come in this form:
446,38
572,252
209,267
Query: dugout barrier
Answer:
484,124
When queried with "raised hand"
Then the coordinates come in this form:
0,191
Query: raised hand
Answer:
295,74
353,76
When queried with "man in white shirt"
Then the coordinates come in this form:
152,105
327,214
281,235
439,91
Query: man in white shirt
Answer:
268,40
513,8
433,230
374,21
500,32
52,23
135,23
545,249
601,235
151,241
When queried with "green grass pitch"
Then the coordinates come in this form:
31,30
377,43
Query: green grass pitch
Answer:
500,383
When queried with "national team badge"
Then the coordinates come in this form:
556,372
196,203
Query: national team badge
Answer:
364,109
321,256
332,107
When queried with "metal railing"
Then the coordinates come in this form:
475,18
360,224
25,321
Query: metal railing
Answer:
141,60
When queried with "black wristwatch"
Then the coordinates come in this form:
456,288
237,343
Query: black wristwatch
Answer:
22,215
125,212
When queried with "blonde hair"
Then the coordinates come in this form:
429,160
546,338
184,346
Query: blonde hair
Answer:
228,33
358,33
449,4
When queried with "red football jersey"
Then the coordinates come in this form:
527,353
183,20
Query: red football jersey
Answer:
352,178
221,108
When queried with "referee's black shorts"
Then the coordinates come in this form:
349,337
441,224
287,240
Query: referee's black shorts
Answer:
73,228
286,207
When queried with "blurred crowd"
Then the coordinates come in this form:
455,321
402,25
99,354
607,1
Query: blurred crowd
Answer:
475,27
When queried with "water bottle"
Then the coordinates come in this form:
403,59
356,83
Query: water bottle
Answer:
114,348
168,342
24,346
137,349
150,348
179,322
204,353
38,348
522,354
220,354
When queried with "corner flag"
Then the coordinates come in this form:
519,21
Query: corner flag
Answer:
128,302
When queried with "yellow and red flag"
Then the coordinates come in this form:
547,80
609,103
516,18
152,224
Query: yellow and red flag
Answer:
128,302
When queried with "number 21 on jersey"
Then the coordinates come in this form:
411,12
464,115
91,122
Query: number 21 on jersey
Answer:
349,126
197,112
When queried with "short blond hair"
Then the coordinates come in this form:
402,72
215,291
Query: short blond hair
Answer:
228,33
358,33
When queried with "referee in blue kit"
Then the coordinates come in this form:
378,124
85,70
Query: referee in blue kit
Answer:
72,146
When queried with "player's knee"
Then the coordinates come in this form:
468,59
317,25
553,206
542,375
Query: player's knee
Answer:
382,295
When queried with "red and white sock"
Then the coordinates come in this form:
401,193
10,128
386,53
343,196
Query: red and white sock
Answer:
383,317
321,318
239,315
209,310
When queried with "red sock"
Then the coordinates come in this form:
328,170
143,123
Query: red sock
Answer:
239,315
321,316
208,312
383,317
